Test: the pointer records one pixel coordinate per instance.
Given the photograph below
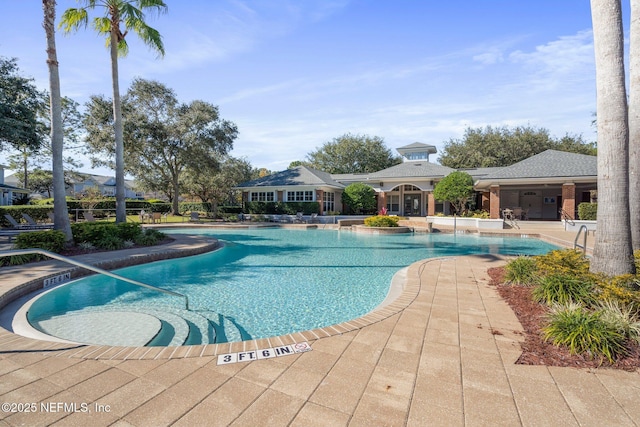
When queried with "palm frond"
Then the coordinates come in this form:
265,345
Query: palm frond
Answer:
102,25
72,19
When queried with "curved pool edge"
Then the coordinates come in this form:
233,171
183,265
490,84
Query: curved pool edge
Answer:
403,290
410,288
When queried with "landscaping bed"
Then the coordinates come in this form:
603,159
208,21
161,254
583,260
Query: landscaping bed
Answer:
535,350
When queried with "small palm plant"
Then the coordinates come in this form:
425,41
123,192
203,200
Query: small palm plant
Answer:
563,289
583,332
521,271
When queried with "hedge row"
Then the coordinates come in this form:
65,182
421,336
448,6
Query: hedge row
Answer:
588,211
289,208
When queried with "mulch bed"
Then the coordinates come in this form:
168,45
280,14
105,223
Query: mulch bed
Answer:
535,351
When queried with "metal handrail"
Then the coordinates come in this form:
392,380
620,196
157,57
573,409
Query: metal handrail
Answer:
92,268
565,215
584,242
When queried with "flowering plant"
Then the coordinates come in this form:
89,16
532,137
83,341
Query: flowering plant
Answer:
383,211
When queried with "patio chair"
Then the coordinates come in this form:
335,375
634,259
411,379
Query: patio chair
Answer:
32,223
314,218
195,217
517,213
15,224
88,216
156,216
300,218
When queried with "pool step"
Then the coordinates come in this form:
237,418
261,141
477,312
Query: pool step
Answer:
226,328
181,327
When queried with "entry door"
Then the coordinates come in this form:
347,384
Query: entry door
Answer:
412,205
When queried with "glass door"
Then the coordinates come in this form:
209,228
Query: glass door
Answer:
412,205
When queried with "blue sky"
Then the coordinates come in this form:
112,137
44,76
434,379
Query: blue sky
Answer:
294,74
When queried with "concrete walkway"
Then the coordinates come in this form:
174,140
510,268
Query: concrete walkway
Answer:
443,354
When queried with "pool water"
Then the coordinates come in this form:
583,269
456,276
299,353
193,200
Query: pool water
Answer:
267,282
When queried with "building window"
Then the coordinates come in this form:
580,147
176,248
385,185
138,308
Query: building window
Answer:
417,156
409,187
299,196
393,203
329,202
262,196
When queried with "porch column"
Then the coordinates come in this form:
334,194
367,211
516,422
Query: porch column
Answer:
320,200
494,202
431,204
382,200
569,199
485,203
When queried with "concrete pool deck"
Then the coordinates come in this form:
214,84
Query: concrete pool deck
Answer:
445,355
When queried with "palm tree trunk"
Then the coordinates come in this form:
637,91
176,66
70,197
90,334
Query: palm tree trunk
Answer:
634,124
612,253
121,209
60,211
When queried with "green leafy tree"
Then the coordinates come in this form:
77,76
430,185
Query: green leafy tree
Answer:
216,186
297,163
26,158
455,188
20,102
503,146
117,13
163,138
353,154
360,198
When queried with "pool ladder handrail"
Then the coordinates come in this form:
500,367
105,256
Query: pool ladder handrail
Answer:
91,268
582,246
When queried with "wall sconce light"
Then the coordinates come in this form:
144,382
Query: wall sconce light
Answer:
381,184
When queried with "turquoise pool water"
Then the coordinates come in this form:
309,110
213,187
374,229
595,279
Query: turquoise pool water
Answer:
269,282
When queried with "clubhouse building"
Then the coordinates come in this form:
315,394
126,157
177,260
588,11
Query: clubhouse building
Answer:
541,186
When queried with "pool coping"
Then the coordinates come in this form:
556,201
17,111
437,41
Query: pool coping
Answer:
403,290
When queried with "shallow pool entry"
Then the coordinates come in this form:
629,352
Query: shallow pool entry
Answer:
263,283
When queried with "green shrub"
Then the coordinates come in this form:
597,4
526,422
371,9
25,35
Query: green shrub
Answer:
563,261
521,271
149,237
583,332
588,211
110,242
623,318
381,221
128,230
563,289
622,289
49,240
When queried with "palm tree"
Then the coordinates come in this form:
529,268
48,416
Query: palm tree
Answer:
612,253
130,14
634,124
60,211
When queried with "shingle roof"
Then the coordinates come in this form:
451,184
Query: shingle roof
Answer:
412,169
300,175
549,164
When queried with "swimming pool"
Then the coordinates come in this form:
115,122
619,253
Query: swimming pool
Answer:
264,282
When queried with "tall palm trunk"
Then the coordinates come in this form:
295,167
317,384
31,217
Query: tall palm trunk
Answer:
60,211
634,124
121,209
612,254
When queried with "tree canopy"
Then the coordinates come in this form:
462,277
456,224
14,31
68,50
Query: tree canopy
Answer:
20,102
455,188
504,146
352,154
162,137
360,198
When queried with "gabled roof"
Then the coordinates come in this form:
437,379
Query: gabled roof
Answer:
549,164
300,175
413,169
14,189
